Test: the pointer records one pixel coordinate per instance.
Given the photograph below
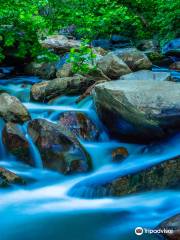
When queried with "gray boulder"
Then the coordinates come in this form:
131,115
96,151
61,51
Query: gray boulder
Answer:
139,111
60,44
135,59
112,66
147,75
59,149
12,110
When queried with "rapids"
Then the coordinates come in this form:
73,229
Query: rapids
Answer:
50,206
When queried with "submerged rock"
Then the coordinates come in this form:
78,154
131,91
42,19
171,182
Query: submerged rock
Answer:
7,178
59,149
147,75
139,111
16,142
48,90
60,44
173,225
112,66
160,176
135,59
119,154
80,125
12,110
43,70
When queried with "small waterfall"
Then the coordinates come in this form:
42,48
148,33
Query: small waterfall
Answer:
34,152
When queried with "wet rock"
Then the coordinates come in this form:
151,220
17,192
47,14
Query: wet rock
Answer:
12,110
135,59
172,225
96,75
8,178
172,48
60,44
43,70
147,75
119,154
80,125
160,176
139,111
16,143
112,66
59,149
175,66
46,91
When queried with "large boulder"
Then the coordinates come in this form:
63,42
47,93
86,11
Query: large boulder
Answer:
59,149
80,125
43,70
139,111
172,48
12,110
16,143
112,66
135,59
48,90
160,176
7,178
147,75
60,44
172,227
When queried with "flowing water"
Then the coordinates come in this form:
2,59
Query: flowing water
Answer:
51,207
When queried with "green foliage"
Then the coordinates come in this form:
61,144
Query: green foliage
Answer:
138,19
24,22
21,26
82,60
166,21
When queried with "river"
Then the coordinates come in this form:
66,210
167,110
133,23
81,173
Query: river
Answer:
50,207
